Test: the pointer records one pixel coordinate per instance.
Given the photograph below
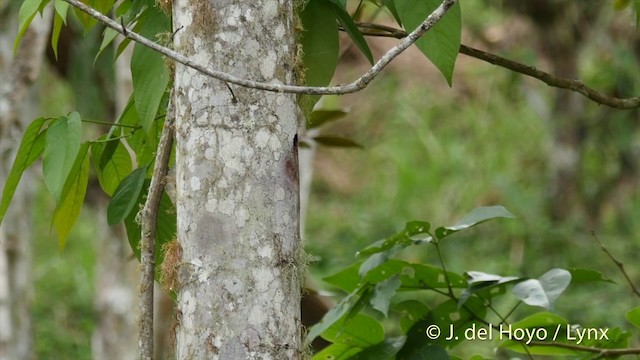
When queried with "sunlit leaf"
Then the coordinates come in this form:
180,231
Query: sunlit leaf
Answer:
544,291
633,316
28,11
360,331
72,196
62,145
112,169
31,147
475,217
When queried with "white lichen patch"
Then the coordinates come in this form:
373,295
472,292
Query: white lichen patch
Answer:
242,215
280,30
233,15
211,205
268,65
257,316
263,277
265,251
226,207
269,11
280,193
249,15
189,302
262,138
194,182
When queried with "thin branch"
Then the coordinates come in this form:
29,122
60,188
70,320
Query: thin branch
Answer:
549,79
352,87
602,353
148,241
619,264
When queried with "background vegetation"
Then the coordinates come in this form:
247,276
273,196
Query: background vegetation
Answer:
430,153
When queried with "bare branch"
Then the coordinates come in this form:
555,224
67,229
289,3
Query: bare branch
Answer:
352,87
619,264
602,352
148,241
549,79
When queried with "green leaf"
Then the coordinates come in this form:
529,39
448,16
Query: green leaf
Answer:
360,331
59,19
150,80
545,291
426,351
385,350
27,12
62,145
337,352
166,226
411,311
108,36
485,285
87,21
321,45
148,69
111,170
346,279
579,276
475,217
391,6
335,141
422,276
414,233
72,196
442,42
350,27
31,147
540,320
321,117
554,326
633,316
383,292
126,196
345,309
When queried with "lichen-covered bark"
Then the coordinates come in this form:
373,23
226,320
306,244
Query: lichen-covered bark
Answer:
237,183
17,75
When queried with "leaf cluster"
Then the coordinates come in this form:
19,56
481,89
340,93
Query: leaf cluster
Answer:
413,299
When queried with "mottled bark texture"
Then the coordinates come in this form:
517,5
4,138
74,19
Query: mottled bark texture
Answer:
237,183
17,75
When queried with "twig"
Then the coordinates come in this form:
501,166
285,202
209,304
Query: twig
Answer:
148,241
619,264
352,87
549,79
602,353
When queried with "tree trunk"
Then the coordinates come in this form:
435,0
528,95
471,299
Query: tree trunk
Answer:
237,184
17,75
